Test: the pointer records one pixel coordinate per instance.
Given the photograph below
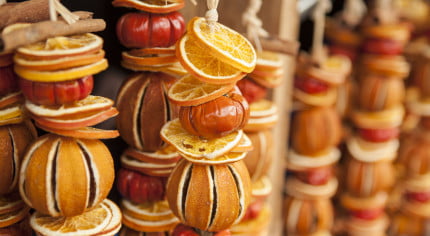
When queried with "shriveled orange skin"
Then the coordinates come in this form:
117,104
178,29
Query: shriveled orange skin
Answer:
20,136
216,118
372,88
314,215
358,173
143,109
64,177
200,198
315,130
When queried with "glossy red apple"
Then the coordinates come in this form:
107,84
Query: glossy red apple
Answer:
383,46
145,30
56,93
140,188
379,135
8,80
310,85
316,176
185,230
251,90
368,214
422,197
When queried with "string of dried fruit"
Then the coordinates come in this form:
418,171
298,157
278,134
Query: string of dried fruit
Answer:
377,118
66,174
412,217
315,133
144,108
16,133
209,189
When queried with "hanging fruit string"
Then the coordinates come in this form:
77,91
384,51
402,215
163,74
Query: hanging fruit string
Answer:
55,6
254,25
353,12
212,13
318,53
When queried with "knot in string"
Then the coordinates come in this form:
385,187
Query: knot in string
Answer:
254,26
212,14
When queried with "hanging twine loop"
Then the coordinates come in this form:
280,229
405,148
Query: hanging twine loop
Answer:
318,52
56,7
253,24
212,13
353,12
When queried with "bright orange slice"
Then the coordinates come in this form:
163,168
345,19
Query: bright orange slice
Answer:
60,63
189,91
89,104
11,218
154,6
204,66
91,222
85,132
224,43
61,75
149,60
61,46
196,147
150,211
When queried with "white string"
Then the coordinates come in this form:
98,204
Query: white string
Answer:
55,6
212,13
318,15
254,26
2,2
353,12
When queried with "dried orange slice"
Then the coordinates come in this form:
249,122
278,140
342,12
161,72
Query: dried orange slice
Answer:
165,155
10,204
245,145
149,168
149,51
61,46
89,104
84,132
262,187
261,123
60,63
224,43
115,224
154,6
267,81
267,60
189,91
150,211
91,222
227,158
175,70
61,75
262,108
11,218
204,66
149,225
11,99
149,60
76,122
11,112
195,147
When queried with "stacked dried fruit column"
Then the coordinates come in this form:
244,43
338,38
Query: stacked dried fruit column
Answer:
377,117
66,174
16,133
144,108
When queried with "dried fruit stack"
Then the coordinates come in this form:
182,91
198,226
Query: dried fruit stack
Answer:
414,170
150,33
67,174
369,172
315,134
268,73
16,133
209,189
